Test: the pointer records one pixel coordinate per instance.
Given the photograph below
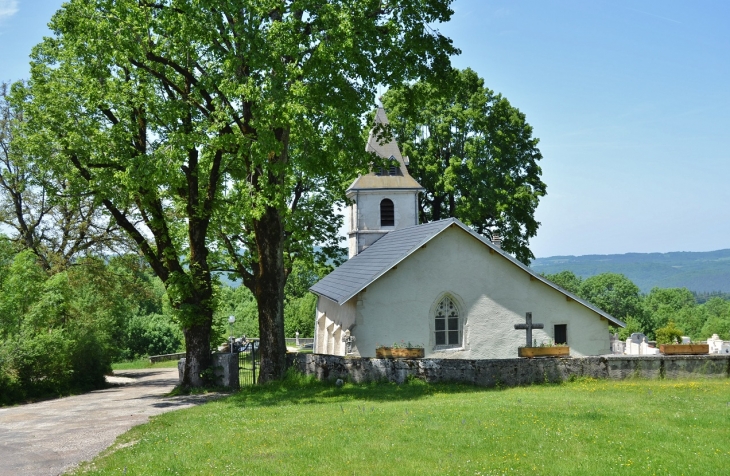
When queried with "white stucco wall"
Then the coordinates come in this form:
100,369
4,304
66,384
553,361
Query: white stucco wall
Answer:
364,215
331,322
369,204
492,295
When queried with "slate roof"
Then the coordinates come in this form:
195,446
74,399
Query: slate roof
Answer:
385,150
360,271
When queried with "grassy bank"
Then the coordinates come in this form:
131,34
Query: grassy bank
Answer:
301,427
144,363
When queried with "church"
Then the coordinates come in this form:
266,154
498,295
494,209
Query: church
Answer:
437,285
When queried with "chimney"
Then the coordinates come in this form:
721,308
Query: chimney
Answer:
496,238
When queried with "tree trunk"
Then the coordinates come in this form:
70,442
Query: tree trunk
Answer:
197,353
436,208
196,311
269,293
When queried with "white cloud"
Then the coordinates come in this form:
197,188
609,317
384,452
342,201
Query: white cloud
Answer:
8,8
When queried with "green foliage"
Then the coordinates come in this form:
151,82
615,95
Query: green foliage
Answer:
61,330
240,303
299,303
475,155
299,316
716,325
703,297
221,141
151,334
632,325
620,297
615,294
669,334
566,280
663,304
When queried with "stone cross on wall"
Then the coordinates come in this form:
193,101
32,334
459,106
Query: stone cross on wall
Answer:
348,340
528,326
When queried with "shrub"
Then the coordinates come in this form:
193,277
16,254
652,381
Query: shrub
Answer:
42,363
668,334
152,334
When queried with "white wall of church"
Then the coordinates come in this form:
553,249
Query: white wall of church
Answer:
492,295
331,323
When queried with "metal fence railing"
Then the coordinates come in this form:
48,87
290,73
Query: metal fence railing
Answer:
249,361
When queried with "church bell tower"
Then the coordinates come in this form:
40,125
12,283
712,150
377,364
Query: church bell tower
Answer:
384,200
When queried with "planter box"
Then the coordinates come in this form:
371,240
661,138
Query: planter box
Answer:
555,351
684,349
400,353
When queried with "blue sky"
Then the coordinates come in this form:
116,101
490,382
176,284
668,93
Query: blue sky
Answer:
630,100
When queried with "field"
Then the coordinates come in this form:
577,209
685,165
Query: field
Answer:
304,427
144,363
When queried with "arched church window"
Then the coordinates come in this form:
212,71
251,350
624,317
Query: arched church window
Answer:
447,325
387,212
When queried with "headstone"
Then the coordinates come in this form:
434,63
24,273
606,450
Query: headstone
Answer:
717,345
637,345
617,346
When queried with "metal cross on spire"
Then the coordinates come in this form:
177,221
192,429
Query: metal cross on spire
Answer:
528,326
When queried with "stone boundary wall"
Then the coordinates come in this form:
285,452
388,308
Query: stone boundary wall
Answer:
225,366
166,357
511,372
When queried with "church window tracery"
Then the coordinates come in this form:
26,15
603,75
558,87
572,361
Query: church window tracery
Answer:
447,325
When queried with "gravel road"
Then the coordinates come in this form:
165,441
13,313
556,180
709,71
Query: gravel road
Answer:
53,436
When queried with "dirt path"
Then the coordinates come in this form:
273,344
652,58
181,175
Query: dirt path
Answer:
51,437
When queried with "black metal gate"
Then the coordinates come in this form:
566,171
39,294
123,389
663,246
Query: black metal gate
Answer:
248,363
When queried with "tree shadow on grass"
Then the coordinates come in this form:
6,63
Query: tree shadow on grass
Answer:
304,390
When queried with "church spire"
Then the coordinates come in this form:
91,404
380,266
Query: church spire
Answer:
386,199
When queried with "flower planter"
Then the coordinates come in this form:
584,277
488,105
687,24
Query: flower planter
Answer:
554,351
399,353
684,349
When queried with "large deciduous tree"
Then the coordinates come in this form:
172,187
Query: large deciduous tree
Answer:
39,210
217,133
475,155
617,295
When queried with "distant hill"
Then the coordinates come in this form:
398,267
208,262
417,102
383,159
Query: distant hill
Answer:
702,272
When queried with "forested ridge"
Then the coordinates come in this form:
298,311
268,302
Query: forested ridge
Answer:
700,272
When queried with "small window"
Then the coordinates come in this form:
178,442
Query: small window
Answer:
447,325
387,212
561,334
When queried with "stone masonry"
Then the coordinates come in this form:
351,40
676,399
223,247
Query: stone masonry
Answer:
511,372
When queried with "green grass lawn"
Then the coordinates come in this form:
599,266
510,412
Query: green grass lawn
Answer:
144,363
301,427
